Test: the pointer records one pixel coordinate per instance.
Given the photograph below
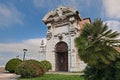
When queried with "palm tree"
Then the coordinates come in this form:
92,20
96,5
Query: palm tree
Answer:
96,44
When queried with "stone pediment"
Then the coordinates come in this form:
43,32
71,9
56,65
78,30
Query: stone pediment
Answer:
60,13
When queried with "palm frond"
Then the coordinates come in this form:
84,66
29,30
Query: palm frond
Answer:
96,44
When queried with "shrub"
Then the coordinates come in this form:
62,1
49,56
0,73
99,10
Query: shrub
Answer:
92,73
110,72
117,69
12,65
29,68
46,65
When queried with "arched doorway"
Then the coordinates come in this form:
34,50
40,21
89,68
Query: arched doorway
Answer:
61,49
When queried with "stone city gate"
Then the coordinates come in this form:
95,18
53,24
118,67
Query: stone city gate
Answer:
64,25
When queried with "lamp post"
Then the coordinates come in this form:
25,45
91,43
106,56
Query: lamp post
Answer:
17,57
43,49
24,50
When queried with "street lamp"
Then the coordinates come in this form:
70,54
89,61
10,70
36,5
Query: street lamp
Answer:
17,57
43,49
24,50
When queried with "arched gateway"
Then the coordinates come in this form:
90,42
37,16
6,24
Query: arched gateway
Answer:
64,25
61,50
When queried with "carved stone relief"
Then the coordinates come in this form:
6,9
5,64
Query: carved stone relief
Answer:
60,37
72,31
49,26
72,19
59,11
49,35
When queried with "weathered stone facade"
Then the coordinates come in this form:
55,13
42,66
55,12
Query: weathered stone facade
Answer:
64,25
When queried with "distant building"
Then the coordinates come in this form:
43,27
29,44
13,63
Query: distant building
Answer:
64,25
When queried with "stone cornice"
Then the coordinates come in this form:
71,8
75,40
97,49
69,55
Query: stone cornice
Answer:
60,13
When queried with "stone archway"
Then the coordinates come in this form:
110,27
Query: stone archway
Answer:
61,49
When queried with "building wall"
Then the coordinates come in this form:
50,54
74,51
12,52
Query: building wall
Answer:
82,22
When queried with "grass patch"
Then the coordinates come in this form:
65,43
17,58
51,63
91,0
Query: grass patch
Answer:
56,77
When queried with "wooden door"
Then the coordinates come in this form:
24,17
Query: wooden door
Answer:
62,62
61,57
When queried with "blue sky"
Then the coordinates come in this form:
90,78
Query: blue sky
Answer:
21,23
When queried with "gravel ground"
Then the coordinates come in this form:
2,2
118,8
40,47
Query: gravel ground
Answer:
2,69
7,76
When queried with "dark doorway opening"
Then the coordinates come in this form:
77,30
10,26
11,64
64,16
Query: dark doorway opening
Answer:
61,56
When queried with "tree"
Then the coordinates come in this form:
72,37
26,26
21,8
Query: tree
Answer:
96,47
96,44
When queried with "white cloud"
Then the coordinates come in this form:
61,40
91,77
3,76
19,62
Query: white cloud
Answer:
13,49
114,25
9,15
111,8
1,58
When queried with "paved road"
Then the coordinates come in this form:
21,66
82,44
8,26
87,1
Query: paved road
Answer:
8,76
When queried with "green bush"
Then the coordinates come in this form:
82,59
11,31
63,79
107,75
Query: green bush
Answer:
29,68
46,65
12,65
117,69
92,73
110,72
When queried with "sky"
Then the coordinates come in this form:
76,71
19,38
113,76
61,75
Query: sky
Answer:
21,23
